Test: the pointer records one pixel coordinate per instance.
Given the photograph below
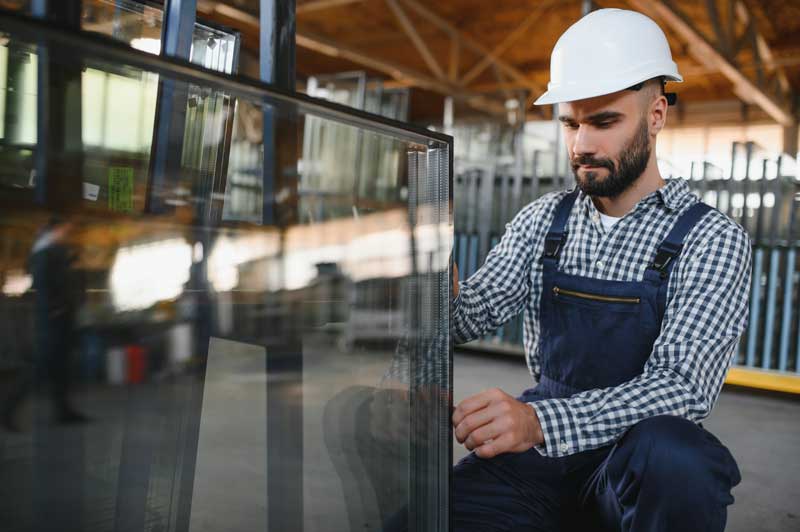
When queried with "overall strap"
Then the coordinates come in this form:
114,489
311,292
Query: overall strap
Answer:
557,234
671,247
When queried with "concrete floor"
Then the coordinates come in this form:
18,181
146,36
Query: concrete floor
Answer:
127,455
761,430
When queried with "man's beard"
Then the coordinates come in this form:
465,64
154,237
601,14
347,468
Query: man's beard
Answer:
632,162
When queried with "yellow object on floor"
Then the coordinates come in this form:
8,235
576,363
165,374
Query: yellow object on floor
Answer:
764,379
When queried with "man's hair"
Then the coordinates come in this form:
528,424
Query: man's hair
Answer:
655,87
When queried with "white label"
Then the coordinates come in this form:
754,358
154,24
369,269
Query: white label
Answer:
90,191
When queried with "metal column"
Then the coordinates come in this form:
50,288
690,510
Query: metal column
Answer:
59,151
280,207
277,67
164,175
165,165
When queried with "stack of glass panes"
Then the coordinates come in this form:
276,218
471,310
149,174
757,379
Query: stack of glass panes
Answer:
184,354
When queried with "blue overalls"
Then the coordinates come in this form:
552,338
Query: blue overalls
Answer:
664,474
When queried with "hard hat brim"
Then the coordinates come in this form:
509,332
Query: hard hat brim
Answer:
575,92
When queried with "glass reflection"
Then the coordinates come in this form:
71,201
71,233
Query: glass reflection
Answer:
209,327
140,25
58,291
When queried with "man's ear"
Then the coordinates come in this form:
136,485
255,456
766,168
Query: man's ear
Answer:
657,114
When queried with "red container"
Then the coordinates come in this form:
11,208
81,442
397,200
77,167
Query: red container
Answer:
137,364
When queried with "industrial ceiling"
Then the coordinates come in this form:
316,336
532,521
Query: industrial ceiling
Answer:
740,58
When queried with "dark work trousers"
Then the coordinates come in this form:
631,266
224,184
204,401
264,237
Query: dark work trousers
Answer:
664,473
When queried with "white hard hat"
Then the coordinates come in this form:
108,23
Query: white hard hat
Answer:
606,51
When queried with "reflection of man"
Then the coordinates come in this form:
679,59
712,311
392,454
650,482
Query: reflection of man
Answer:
635,295
57,293
368,436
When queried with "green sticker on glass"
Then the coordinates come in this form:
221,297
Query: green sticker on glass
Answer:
120,188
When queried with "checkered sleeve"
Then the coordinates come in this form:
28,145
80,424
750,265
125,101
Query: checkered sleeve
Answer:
499,289
706,315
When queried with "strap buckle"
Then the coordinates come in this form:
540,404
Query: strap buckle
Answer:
664,256
552,245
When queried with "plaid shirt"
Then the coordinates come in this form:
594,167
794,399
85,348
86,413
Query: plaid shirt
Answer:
705,316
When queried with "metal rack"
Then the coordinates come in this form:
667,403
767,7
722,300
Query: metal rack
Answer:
760,194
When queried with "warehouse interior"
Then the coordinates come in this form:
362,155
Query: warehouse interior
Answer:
244,181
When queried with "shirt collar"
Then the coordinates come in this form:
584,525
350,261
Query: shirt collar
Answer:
672,195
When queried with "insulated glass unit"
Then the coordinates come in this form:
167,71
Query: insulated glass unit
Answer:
204,328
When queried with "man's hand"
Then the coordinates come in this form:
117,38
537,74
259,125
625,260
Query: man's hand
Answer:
492,422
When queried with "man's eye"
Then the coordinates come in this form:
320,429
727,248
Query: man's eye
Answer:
605,125
570,125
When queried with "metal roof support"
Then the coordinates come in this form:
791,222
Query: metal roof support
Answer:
468,42
709,54
419,43
401,74
505,44
332,48
762,47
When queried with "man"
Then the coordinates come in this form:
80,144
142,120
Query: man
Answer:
57,299
634,294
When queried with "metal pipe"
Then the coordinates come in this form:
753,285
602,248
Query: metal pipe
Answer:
786,315
448,115
178,28
277,29
515,201
762,191
729,191
769,326
755,308
746,185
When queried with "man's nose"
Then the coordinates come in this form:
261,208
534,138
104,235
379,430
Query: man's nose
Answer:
583,142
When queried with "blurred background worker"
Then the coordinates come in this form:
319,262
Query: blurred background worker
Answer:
58,290
634,294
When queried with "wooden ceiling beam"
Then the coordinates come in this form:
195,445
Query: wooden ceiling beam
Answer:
763,48
331,48
316,5
505,44
470,43
708,55
401,74
455,59
418,42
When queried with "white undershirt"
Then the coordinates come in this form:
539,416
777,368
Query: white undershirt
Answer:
608,221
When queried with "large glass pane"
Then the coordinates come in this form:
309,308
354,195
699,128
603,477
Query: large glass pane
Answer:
206,331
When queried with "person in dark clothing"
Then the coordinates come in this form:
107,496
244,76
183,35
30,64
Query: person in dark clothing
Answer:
57,298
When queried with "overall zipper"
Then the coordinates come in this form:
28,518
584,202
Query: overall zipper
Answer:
594,297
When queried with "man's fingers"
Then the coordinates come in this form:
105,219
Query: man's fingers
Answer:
484,434
474,403
472,422
502,444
